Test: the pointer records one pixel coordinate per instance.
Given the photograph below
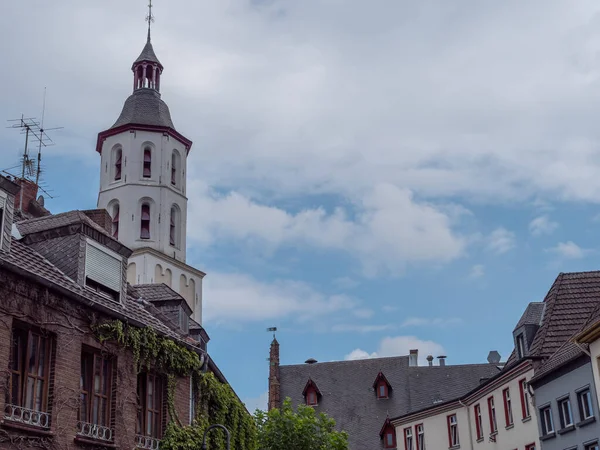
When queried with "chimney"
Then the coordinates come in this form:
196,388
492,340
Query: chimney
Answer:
8,190
442,360
102,218
413,358
494,357
430,360
28,192
274,386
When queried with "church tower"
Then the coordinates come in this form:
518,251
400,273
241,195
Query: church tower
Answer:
143,184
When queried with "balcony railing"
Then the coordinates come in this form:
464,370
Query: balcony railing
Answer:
26,416
146,442
93,431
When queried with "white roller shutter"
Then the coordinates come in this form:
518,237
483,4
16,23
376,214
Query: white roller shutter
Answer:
103,268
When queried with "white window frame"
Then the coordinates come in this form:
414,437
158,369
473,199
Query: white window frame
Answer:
585,394
408,438
420,436
508,406
565,421
453,428
479,419
547,421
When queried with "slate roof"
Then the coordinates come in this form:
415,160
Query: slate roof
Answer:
348,395
569,303
533,315
148,55
157,291
145,107
50,222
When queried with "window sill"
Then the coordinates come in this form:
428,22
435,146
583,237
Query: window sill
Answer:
566,429
585,422
454,447
44,432
479,440
548,436
526,419
509,427
96,442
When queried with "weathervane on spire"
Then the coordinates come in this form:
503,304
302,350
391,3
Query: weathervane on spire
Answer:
149,18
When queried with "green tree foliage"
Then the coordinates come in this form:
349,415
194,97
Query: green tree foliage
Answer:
303,429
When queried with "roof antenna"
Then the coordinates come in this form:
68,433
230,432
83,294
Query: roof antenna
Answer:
149,18
272,330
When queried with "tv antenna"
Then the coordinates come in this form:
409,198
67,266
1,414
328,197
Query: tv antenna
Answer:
34,131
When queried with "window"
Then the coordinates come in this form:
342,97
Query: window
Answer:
584,399
29,378
115,221
311,396
408,439
175,168
389,437
566,415
382,389
150,405
478,421
492,413
96,386
524,398
420,432
147,173
546,419
145,222
452,431
592,446
118,163
520,345
530,447
103,270
173,227
508,415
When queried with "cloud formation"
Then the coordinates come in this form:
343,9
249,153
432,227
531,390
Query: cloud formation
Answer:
542,225
399,346
569,250
501,241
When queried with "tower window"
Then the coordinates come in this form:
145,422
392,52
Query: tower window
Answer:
145,222
115,221
172,229
174,169
147,163
118,163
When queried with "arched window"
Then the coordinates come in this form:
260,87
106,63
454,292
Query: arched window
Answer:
118,163
145,222
174,224
175,167
147,162
115,221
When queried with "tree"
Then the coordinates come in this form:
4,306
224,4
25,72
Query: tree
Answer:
303,429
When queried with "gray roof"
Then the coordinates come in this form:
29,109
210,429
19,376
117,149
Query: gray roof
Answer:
147,54
145,107
157,292
37,225
348,395
533,315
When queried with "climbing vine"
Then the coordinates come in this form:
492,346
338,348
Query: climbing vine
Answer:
216,402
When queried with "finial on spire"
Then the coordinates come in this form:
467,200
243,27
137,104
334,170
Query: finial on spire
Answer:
149,18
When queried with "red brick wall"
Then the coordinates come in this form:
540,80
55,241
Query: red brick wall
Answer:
68,322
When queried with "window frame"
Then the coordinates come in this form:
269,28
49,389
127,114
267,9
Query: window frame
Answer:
147,162
566,400
107,381
145,233
588,395
492,415
478,421
453,437
312,398
142,405
525,410
508,413
387,433
21,370
530,446
520,344
118,165
591,446
382,384
420,436
115,220
546,420
408,435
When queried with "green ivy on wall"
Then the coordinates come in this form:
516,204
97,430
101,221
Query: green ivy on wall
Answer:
216,402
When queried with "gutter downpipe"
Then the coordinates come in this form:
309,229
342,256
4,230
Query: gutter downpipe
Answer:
460,402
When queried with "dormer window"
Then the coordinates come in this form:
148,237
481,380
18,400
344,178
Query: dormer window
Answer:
382,386
388,434
103,271
147,163
520,346
311,393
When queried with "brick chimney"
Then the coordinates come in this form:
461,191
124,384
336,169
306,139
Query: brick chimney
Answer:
274,386
101,217
28,193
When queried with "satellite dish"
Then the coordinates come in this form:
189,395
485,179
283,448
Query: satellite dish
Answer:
40,200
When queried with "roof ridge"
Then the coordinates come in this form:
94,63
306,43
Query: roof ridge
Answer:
349,360
550,302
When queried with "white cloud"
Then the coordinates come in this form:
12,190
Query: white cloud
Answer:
260,402
569,250
345,328
430,322
400,346
477,271
345,283
231,298
501,240
389,308
390,230
364,313
542,225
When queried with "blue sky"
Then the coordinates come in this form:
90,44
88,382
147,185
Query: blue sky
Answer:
369,178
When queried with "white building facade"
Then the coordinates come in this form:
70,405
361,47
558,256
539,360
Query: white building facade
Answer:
143,186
